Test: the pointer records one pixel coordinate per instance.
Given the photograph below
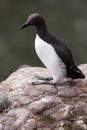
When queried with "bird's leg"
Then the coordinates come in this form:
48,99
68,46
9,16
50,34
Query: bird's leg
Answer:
44,78
51,83
42,83
66,82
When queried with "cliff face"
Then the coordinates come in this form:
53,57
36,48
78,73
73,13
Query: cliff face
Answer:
43,107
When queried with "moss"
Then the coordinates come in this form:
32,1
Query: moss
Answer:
46,119
67,127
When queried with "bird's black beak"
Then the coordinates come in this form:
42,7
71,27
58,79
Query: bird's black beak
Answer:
26,24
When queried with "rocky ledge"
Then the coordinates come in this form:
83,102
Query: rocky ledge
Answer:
43,107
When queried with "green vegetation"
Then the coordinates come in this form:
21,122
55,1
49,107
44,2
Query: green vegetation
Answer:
67,127
46,119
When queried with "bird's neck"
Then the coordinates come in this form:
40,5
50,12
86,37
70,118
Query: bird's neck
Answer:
42,30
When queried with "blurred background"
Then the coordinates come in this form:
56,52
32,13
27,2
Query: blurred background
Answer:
67,19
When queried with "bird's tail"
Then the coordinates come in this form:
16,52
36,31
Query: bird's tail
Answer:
75,73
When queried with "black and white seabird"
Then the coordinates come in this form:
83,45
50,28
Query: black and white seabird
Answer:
54,54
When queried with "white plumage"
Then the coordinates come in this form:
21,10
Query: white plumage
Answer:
50,59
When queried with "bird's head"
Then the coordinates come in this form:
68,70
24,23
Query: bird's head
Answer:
34,19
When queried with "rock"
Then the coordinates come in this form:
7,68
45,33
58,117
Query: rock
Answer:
63,113
31,124
42,104
68,93
42,107
1,127
81,124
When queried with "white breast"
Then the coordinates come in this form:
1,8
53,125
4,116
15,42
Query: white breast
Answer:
50,59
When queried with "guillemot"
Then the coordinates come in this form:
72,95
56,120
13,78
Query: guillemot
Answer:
53,53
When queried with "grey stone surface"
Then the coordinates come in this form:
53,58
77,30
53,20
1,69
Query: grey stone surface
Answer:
68,93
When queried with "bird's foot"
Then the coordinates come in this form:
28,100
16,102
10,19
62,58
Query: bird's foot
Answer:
42,83
44,78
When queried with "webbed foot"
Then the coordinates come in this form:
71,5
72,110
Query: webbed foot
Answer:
42,83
